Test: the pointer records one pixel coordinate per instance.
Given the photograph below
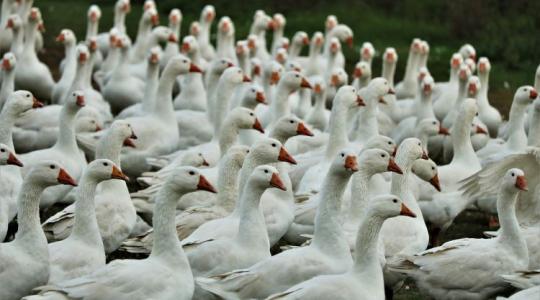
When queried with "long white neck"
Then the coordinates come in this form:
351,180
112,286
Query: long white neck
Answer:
204,34
166,245
30,232
163,106
29,37
92,28
510,234
517,138
482,98
328,234
366,253
8,86
388,71
86,226
228,183
110,146
534,129
359,193
227,136
280,104
276,39
411,67
252,227
152,79
251,161
461,142
7,120
120,21
337,129
6,11
425,107
368,126
17,44
400,183
223,96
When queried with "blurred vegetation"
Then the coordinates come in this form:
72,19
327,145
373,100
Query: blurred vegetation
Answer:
503,30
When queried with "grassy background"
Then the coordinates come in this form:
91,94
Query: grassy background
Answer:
504,30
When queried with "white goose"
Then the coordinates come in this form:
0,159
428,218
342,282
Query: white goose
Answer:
9,62
474,265
121,9
193,94
60,90
208,15
364,280
168,262
25,260
407,87
445,94
487,113
327,254
171,49
149,18
6,36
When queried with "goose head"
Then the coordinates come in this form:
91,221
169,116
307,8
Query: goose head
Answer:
253,43
514,179
208,14
467,51
382,142
87,124
422,73
8,61
317,41
473,86
330,23
464,73
284,43
456,61
362,70
367,51
21,101
179,64
266,176
388,206
379,87
334,46
194,159
92,45
234,75
66,37
348,97
244,118
35,16
218,66
154,56
279,21
468,111
416,46
123,131
344,34
94,13
424,48
262,22
75,100
14,23
271,150
113,36
484,66
188,179
49,173
226,26
427,171
412,149
149,4
300,39
7,157
256,67
281,56
378,161
254,95
390,55
289,126
431,127
319,86
123,43
338,78
194,28
345,162
104,169
122,7
293,81
175,17
150,17
525,95
273,72
292,65
242,49
82,54
427,85
164,34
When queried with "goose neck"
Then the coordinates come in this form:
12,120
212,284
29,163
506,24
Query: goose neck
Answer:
388,71
328,233
534,130
227,183
460,94
29,230
360,192
278,134
425,107
368,126
252,227
152,79
223,94
227,136
17,44
366,252
29,36
166,244
280,104
86,226
110,146
510,231
461,141
7,121
6,10
120,21
251,161
517,137
411,65
400,182
483,93
163,106
91,29
7,88
66,134
337,130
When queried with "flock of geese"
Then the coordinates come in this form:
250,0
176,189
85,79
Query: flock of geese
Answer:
256,172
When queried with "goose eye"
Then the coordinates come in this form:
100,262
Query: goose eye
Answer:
419,144
476,114
274,145
93,122
74,95
266,171
105,164
2,150
342,154
185,61
253,90
433,168
200,154
434,123
53,167
291,121
394,200
382,155
297,76
191,173
251,114
513,174
27,95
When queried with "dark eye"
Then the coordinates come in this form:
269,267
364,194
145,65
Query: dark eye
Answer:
433,168
251,114
434,123
74,94
27,95
342,154
394,200
53,167
291,121
185,61
191,173
513,174
266,171
476,114
297,76
419,144
253,90
105,164
2,150
382,155
200,154
274,145
389,143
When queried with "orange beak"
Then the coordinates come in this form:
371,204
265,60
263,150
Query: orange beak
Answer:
455,63
271,25
129,143
10,24
533,94
276,182
172,38
246,79
80,101
36,103
98,128
350,163
435,182
472,89
303,130
391,91
6,65
274,78
257,70
194,69
13,160
521,183
259,97
443,131
334,80
117,174
427,89
305,41
204,185
393,167
60,38
349,41
257,126
482,68
305,83
185,47
285,156
154,58
405,211
205,163
317,88
480,130
155,20
360,101
390,57
357,73
65,178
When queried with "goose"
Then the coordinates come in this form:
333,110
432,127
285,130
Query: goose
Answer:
250,244
244,58
92,27
447,92
149,18
470,90
158,35
261,22
18,103
407,87
171,49
60,89
467,51
114,210
264,151
123,89
157,131
25,260
208,14
465,259
319,115
150,89
364,280
6,37
344,34
327,254
31,74
110,61
299,40
82,251
7,157
279,23
193,95
15,24
9,63
361,75
112,280
311,65
527,281
212,76
121,9
487,113
225,40
193,217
